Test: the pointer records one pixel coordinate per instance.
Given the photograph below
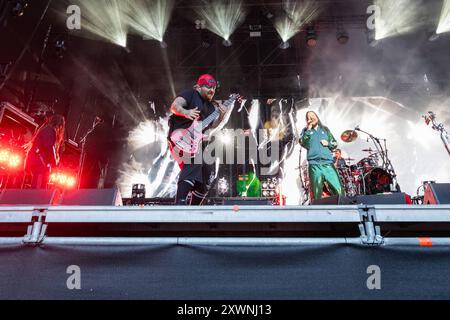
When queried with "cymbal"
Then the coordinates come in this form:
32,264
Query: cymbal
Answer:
349,159
349,136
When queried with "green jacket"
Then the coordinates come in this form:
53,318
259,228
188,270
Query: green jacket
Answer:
317,153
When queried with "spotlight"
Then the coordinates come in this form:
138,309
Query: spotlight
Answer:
285,45
371,39
223,17
18,8
10,159
270,187
227,43
432,36
163,44
311,36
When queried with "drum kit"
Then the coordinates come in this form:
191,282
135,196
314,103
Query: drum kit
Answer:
373,174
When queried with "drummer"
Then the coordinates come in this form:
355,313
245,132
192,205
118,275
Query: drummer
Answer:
339,162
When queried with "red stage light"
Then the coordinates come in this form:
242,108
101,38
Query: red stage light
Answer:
4,156
14,161
62,179
10,159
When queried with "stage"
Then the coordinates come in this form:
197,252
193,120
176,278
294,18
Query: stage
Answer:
228,253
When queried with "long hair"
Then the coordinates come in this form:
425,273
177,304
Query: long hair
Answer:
58,123
320,122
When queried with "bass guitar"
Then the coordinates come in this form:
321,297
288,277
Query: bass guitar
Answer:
189,141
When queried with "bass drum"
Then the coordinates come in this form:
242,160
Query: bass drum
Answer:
377,181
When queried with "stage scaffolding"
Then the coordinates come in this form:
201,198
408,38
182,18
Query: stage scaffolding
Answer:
216,225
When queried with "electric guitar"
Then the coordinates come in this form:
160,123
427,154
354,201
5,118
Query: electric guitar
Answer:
189,141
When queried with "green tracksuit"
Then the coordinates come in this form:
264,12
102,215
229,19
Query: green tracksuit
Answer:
320,159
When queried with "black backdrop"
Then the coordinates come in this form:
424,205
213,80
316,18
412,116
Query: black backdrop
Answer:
224,272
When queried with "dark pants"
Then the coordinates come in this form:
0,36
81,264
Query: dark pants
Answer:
196,179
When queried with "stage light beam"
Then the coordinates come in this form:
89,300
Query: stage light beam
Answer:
444,21
397,17
149,18
296,14
105,19
223,17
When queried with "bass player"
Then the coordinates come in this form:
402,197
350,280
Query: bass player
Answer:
192,105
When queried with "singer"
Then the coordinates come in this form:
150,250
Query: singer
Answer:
320,143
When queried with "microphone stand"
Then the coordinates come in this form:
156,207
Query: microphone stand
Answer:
83,142
377,143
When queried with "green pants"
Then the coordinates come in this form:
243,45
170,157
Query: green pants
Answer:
321,173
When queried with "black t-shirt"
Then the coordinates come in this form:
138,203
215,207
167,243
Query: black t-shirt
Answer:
194,100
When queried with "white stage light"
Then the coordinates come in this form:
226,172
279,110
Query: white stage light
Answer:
149,18
223,17
296,14
105,19
444,21
397,17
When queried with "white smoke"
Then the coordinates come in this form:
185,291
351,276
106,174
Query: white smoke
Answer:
150,162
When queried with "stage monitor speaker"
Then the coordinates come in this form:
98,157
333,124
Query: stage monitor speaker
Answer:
437,193
392,198
30,197
92,197
247,202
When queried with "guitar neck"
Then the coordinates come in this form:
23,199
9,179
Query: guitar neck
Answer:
213,116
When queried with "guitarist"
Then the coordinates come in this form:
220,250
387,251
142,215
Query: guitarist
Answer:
190,105
43,151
